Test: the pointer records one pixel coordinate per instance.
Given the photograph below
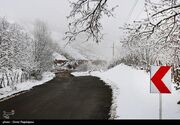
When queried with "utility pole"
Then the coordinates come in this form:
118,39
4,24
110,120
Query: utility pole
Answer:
113,50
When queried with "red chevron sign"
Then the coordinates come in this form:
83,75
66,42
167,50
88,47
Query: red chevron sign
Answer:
160,79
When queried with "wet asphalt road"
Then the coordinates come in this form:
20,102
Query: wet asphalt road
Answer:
69,98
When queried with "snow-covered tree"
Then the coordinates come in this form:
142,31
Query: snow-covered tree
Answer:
156,38
15,46
16,57
42,47
6,40
161,25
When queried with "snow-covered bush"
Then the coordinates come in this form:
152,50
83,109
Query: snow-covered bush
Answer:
12,77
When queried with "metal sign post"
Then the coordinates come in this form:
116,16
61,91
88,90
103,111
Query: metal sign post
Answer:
160,106
160,82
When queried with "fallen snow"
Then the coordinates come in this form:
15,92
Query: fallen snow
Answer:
8,92
72,52
58,56
131,94
80,73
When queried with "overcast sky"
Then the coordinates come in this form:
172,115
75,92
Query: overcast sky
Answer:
54,12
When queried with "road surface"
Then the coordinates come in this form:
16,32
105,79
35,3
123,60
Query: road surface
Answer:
68,98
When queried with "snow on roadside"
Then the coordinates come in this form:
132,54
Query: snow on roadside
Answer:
7,91
115,89
81,73
131,95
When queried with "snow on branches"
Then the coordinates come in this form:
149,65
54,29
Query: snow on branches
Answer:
157,34
22,56
85,19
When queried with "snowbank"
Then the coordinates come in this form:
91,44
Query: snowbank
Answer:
131,95
7,91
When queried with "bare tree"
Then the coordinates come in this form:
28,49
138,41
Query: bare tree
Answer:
85,19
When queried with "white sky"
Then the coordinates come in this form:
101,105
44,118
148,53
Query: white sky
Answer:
54,12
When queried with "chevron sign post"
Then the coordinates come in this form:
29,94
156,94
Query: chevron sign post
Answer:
160,79
160,83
